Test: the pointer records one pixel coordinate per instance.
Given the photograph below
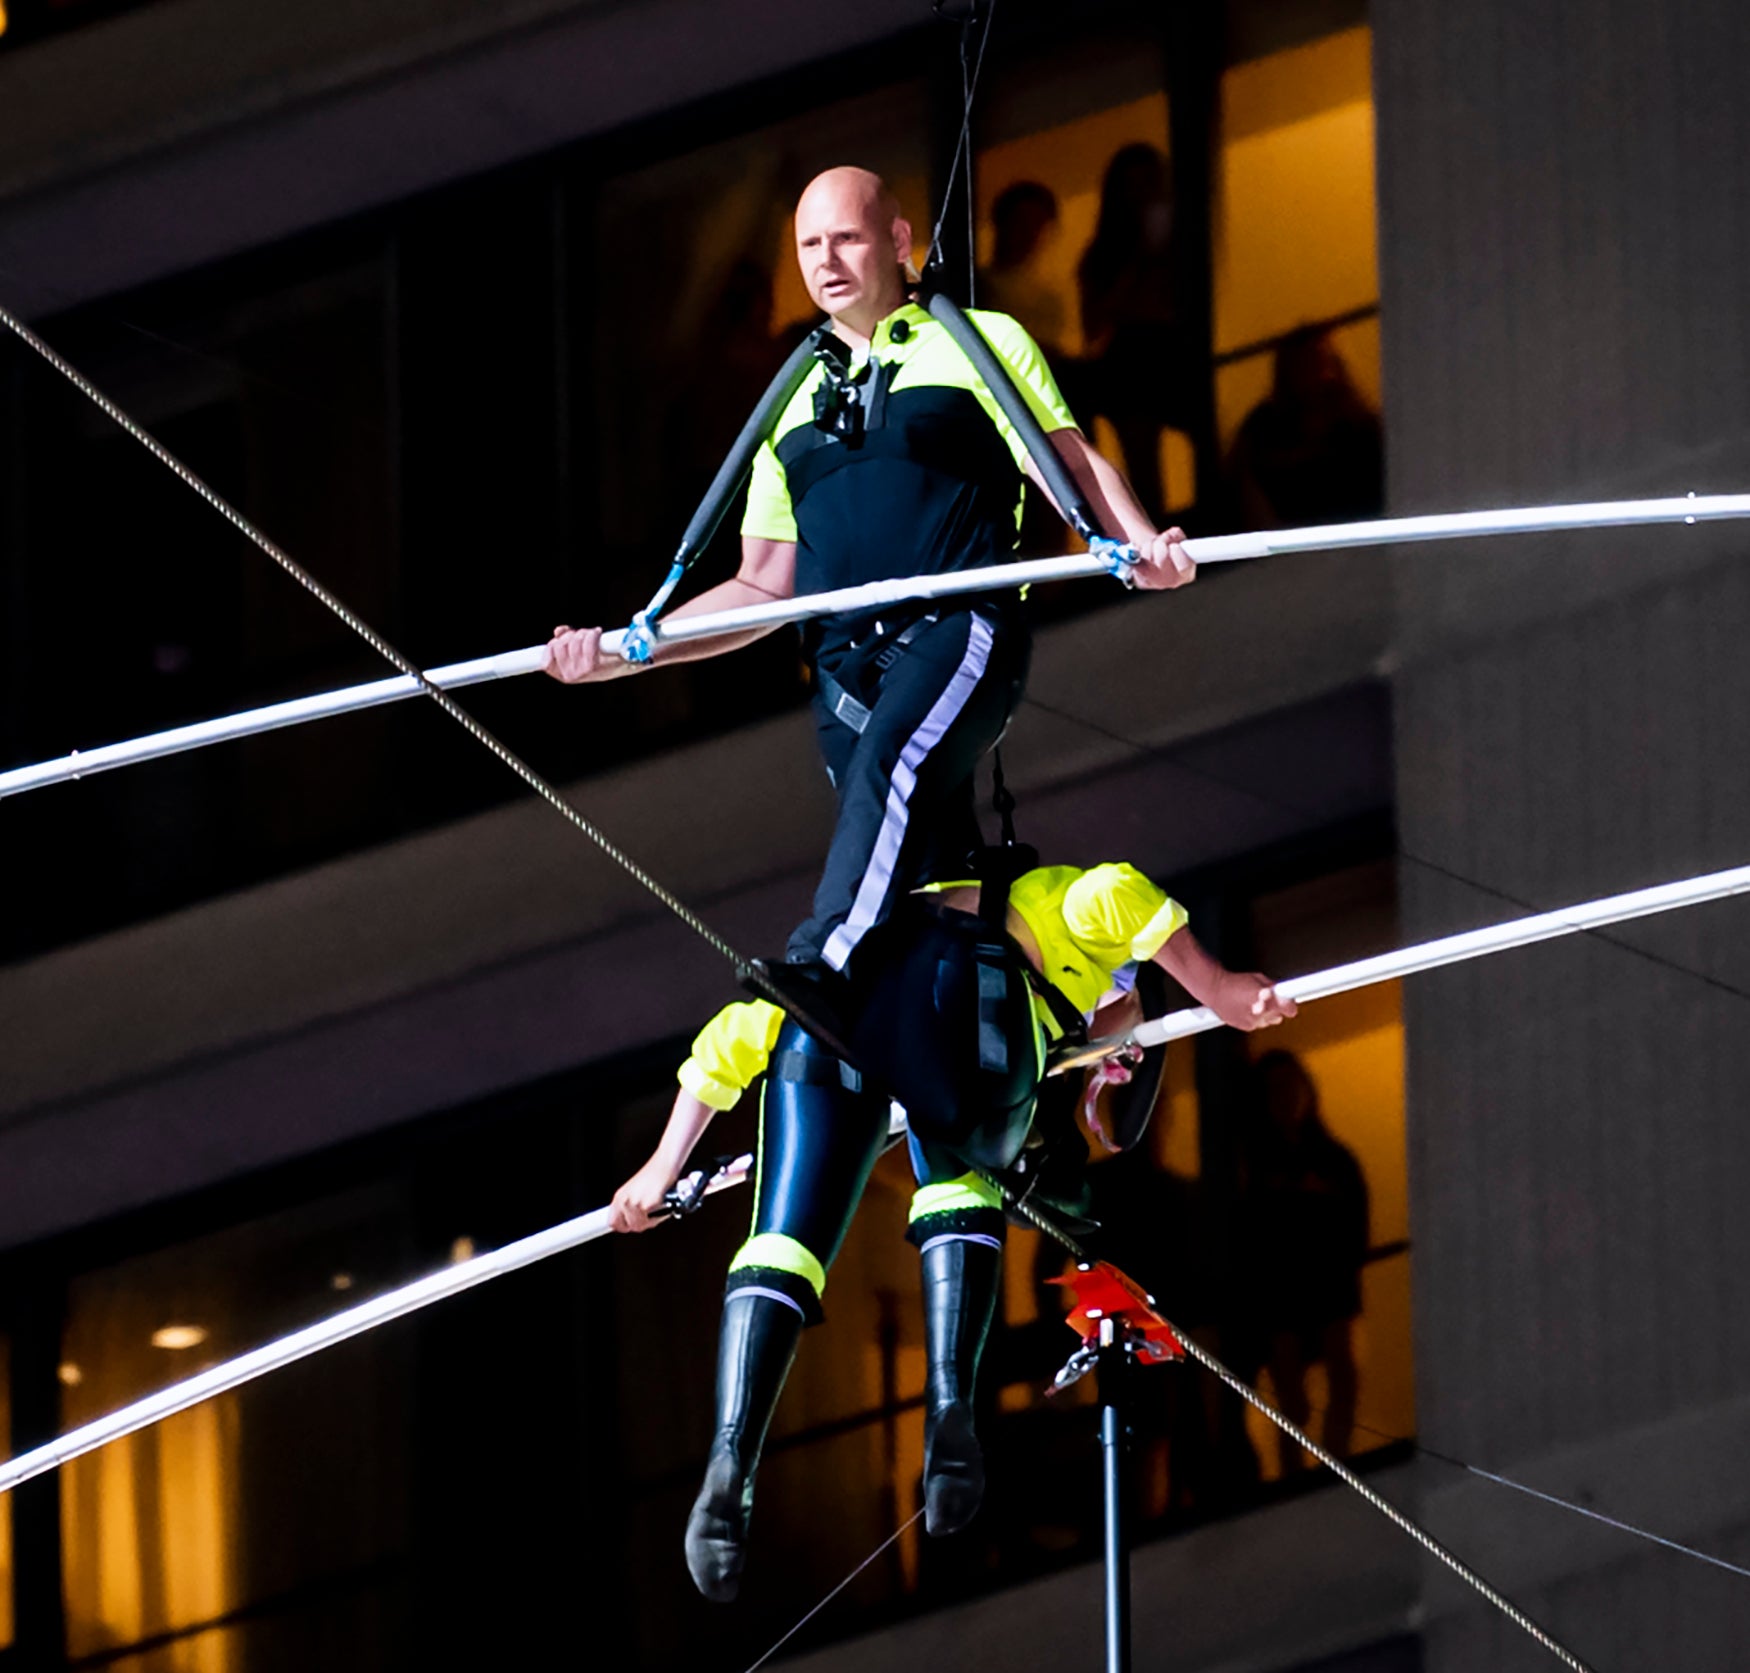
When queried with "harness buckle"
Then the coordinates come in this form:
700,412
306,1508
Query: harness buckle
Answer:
1121,559
638,642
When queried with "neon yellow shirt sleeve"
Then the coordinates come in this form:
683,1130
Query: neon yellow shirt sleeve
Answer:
769,514
731,1051
1033,377
1117,912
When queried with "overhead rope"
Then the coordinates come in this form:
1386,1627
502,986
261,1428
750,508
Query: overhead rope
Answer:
422,683
970,70
1385,531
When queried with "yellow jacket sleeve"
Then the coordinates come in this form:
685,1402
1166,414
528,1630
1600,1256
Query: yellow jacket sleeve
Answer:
730,1052
1027,365
1119,914
769,514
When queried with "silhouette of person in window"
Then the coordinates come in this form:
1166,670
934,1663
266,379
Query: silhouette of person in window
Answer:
1024,221
1310,452
1133,331
1304,1225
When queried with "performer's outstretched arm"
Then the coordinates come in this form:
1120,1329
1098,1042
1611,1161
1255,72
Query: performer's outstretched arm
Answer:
729,1054
1164,560
637,1203
1242,999
768,571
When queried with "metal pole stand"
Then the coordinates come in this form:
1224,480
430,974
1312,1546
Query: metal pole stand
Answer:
1117,1323
1112,1368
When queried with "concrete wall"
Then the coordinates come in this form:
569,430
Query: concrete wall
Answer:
1565,207
183,133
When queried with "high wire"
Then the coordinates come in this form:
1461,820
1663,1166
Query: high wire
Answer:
874,595
410,1297
571,1234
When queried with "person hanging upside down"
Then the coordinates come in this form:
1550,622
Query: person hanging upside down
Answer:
892,459
975,1008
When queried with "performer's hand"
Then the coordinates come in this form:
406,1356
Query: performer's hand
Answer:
1248,999
1163,562
637,1204
575,654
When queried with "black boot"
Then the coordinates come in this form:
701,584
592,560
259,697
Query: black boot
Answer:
960,1293
754,1349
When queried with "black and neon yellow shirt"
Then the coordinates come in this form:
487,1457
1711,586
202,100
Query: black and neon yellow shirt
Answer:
931,483
1086,924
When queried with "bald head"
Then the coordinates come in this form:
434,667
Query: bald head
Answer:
852,244
849,192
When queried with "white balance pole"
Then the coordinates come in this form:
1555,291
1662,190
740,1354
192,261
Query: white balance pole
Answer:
287,1350
325,1333
875,596
1430,955
1343,978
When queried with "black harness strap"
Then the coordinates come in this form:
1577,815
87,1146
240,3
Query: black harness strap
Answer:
726,484
1001,383
883,652
814,1071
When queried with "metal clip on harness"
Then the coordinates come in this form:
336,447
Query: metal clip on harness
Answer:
1118,557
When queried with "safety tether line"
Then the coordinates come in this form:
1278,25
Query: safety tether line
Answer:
892,1539
1174,758
1423,1450
970,70
1343,1473
370,636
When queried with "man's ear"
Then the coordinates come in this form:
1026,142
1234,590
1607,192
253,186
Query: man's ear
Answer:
902,241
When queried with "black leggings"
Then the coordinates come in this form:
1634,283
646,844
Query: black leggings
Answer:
822,1129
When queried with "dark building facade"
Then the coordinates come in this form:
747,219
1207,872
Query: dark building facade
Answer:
459,303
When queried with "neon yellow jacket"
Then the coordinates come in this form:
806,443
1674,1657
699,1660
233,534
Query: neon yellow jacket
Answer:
1086,924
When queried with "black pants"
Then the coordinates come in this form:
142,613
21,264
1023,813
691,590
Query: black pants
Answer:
819,1142
905,782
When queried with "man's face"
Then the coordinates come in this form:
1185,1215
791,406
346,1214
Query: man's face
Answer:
849,253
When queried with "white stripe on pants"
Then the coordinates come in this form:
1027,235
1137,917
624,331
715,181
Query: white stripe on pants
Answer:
878,878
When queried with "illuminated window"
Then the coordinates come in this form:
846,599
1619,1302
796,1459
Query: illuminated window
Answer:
1296,245
1334,1325
167,1533
1058,136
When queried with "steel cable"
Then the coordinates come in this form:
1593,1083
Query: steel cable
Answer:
371,637
1343,1473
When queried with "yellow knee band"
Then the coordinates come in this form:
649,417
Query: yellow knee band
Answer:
956,1195
781,1254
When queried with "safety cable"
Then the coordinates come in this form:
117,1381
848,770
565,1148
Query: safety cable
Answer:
891,1539
1420,862
230,364
963,143
1343,1473
1423,1450
372,638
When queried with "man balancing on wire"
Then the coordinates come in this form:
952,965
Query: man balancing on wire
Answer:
969,1076
893,458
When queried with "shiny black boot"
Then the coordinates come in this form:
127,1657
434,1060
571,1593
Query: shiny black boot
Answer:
754,1349
960,1293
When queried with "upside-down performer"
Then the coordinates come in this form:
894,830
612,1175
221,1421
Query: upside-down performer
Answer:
973,990
894,456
